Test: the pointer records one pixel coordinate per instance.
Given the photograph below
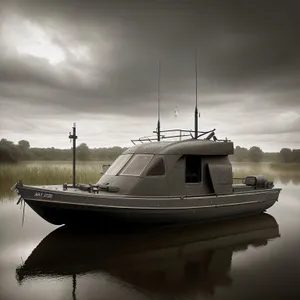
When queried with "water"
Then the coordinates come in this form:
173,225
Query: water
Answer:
250,258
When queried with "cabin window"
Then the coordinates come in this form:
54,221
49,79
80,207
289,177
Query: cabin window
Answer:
118,164
157,169
137,165
193,168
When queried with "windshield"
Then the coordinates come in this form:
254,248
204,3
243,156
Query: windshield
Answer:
137,165
118,164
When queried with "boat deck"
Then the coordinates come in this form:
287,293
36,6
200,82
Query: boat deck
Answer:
237,188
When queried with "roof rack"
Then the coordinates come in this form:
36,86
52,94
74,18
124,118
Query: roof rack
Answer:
181,134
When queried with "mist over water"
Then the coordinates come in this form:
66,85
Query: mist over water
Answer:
249,258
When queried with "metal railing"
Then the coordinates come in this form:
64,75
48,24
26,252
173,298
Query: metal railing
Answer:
181,134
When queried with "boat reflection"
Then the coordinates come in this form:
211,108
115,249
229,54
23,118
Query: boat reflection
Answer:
171,260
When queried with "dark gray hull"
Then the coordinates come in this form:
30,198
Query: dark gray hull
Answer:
77,208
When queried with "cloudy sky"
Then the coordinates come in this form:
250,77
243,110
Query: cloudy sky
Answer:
96,63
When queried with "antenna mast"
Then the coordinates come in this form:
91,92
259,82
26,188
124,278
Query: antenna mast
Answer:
158,103
196,104
73,136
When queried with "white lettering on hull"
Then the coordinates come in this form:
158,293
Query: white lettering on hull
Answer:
43,195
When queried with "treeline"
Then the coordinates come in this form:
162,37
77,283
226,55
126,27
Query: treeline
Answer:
11,152
255,154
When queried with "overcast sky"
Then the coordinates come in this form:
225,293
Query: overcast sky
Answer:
96,63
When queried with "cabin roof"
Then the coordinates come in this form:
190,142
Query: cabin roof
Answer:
189,147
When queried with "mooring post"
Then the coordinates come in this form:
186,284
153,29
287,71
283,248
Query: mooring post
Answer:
74,137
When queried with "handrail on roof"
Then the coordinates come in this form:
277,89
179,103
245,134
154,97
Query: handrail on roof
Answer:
182,134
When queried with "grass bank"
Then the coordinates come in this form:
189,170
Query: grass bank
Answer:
40,173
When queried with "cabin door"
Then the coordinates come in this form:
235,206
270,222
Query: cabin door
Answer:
193,174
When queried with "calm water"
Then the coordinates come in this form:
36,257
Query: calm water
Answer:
250,258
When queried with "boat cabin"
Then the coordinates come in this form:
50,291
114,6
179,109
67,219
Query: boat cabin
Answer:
172,168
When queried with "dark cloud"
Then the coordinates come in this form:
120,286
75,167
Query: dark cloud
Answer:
248,57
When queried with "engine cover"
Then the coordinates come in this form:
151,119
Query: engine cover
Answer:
258,181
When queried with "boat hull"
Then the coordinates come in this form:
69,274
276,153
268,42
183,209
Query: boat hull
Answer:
78,209
66,214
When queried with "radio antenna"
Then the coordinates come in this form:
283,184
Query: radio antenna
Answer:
196,104
158,103
73,136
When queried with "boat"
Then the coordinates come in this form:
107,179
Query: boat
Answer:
171,260
157,181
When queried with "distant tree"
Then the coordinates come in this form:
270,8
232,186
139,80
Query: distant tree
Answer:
83,152
296,155
9,152
286,155
24,145
5,142
255,154
240,154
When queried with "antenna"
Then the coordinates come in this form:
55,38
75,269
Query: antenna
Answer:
158,103
73,136
196,104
